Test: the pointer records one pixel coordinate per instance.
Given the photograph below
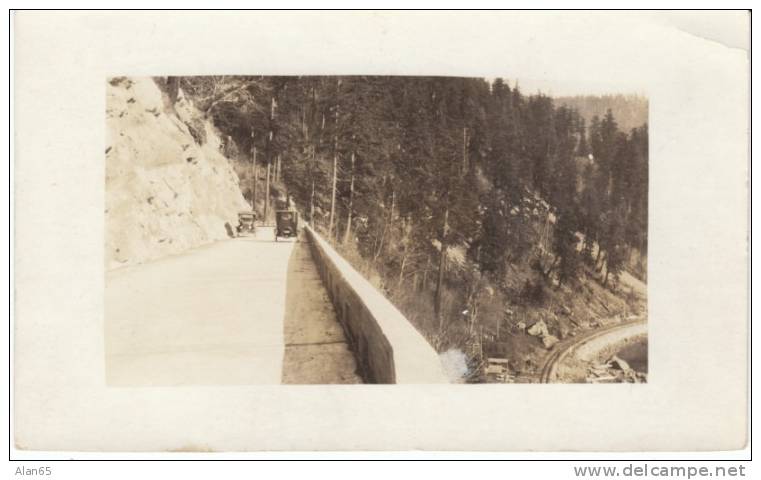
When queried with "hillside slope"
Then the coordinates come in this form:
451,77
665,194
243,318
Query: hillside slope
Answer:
168,187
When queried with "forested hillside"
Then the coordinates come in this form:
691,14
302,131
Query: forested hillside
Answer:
477,209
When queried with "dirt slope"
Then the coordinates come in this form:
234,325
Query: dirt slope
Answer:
167,189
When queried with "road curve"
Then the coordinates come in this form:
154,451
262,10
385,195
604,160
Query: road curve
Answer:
557,355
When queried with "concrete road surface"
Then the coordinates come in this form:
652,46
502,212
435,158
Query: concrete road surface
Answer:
217,316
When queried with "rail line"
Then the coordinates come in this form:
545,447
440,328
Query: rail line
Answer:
559,354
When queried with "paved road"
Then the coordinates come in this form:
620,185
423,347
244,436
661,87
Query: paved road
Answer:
218,315
316,350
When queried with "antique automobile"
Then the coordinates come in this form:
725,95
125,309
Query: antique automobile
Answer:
246,223
286,224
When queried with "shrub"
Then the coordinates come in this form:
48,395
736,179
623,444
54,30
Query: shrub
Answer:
533,293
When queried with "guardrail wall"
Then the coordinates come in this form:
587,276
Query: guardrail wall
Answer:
388,348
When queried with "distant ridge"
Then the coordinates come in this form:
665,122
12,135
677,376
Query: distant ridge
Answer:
630,111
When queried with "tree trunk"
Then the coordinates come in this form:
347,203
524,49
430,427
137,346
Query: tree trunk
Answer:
333,196
380,244
393,203
311,205
401,270
335,169
311,198
255,181
437,295
267,194
351,202
304,122
464,150
442,265
385,226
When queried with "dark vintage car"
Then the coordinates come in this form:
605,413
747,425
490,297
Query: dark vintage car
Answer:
286,224
246,223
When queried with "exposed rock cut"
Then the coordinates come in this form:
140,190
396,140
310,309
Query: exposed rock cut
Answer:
165,191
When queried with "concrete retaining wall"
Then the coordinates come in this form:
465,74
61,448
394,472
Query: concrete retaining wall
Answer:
387,346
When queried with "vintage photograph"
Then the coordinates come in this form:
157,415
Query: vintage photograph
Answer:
340,235
373,229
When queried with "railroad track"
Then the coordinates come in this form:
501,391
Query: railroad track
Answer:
559,354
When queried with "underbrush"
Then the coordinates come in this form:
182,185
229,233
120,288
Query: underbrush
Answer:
492,319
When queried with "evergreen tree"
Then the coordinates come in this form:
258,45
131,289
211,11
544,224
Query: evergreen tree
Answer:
413,167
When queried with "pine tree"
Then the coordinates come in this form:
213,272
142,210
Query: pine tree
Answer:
407,168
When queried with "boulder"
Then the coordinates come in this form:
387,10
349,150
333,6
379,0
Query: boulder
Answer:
563,331
630,376
619,363
549,341
539,329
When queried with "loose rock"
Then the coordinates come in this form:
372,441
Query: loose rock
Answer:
549,341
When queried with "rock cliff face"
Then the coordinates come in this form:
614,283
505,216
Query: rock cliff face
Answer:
168,187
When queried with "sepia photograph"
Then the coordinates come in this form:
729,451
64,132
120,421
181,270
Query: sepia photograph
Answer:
313,234
373,229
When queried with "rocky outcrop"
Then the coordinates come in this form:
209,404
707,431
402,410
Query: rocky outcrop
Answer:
168,187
